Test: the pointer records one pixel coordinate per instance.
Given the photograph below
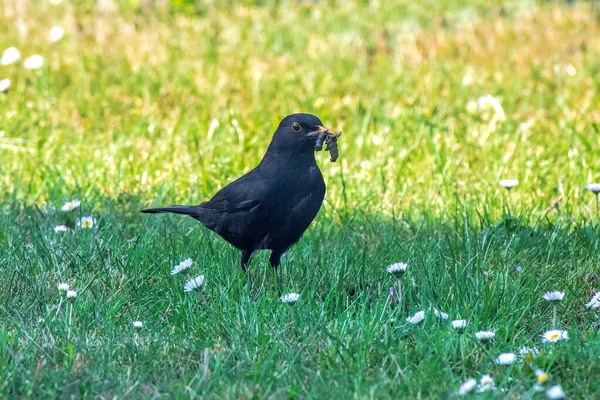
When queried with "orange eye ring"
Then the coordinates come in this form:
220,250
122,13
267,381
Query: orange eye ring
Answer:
296,127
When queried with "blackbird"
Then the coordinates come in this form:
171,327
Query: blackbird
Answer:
271,206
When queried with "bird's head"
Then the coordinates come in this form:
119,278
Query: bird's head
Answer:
299,133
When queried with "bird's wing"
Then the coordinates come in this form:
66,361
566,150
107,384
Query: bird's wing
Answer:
244,193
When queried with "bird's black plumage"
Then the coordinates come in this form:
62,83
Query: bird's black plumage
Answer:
271,206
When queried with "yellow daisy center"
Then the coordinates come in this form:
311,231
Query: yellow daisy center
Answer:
543,377
554,336
87,223
528,357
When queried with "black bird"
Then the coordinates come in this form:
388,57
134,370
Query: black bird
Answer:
271,206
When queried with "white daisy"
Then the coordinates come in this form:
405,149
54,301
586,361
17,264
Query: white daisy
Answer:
138,324
185,264
542,377
508,183
194,283
554,336
528,353
555,392
506,358
61,228
488,102
63,288
55,34
290,298
594,302
570,69
70,205
459,324
467,386
10,56
415,319
397,269
553,296
486,383
593,187
86,222
34,62
484,335
440,314
4,85
71,295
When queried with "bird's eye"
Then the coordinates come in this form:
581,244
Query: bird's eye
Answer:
296,127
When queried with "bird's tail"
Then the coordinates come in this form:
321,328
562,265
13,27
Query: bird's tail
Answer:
185,210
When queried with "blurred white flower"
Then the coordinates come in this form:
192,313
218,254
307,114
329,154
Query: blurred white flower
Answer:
55,34
488,102
4,85
70,205
61,228
440,314
185,264
138,324
71,295
570,69
55,2
542,377
33,62
555,392
467,386
290,298
86,222
472,107
528,353
593,187
10,56
486,383
459,324
506,358
594,302
554,336
194,283
397,269
508,183
415,319
63,288
553,296
484,335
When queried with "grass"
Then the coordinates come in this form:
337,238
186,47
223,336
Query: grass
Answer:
131,110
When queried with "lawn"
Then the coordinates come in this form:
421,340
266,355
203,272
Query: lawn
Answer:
437,101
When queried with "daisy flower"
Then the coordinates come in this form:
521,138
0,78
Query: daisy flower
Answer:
138,324
10,55
506,358
542,377
440,314
63,288
593,187
486,383
528,353
594,302
70,205
61,228
33,62
490,102
71,295
185,264
554,336
555,392
508,183
553,296
397,269
290,298
55,34
415,319
467,386
484,335
86,222
193,283
459,324
4,85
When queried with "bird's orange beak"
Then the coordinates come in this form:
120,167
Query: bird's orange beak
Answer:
322,129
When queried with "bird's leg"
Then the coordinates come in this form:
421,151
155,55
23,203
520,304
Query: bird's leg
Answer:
245,262
275,260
